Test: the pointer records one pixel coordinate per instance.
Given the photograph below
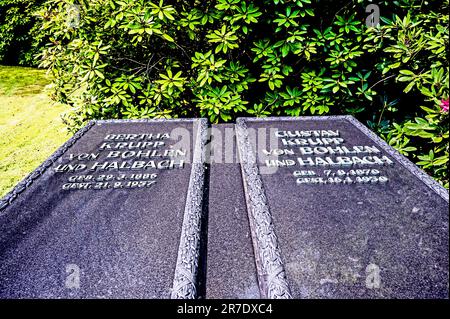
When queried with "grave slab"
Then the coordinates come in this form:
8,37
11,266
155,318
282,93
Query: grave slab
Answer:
337,213
115,213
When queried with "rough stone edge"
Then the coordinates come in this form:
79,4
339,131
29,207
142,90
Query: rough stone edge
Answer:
40,170
271,273
405,162
185,279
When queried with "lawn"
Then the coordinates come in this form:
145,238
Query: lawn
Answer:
30,125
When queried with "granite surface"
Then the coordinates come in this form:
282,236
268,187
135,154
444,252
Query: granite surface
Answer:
214,231
373,240
123,243
231,271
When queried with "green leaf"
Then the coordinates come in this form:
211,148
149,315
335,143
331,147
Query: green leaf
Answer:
168,37
409,87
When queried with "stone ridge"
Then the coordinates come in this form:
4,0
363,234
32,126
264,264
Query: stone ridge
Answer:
272,277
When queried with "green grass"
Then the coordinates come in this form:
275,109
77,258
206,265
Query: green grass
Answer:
30,125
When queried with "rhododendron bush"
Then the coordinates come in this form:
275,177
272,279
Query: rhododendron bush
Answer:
227,58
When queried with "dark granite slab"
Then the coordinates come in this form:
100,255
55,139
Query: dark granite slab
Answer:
382,232
128,234
231,271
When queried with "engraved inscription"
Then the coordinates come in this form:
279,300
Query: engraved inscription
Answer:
323,157
122,161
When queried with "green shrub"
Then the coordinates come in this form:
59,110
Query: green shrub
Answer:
217,59
228,58
412,51
20,36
